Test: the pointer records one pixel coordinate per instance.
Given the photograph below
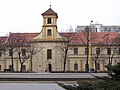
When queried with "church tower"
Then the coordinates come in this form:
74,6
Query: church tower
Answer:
49,24
49,41
49,28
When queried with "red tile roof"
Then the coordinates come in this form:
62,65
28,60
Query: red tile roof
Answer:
19,38
27,36
3,40
50,12
96,37
75,38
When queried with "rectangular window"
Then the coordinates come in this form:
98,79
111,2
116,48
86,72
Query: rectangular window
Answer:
86,51
10,67
0,68
108,51
10,52
0,53
118,50
23,52
49,32
75,51
49,54
105,28
97,51
49,21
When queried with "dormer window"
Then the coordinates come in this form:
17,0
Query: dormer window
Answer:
49,32
49,21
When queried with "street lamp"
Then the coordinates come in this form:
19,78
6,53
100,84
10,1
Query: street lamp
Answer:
88,61
89,47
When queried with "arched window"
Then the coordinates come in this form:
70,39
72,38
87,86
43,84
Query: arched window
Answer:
49,32
49,21
75,66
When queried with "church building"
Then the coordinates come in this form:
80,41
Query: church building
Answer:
50,50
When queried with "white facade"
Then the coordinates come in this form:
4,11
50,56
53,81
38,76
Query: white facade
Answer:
100,28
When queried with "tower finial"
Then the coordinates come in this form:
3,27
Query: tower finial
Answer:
50,5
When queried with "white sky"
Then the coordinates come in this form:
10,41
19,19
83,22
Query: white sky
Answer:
25,15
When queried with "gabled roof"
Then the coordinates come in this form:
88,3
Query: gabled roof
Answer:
50,12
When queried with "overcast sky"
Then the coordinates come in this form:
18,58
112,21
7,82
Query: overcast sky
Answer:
25,15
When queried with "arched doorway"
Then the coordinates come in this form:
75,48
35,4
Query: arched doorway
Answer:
75,66
49,67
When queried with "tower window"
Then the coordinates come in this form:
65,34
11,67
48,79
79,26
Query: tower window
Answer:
49,21
49,32
49,54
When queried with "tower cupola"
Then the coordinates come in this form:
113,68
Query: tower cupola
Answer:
50,12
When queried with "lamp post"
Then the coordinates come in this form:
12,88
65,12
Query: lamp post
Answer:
89,47
88,61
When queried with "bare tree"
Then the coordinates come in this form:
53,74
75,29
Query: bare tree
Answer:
96,54
65,47
69,37
11,47
111,45
21,45
87,38
16,44
2,44
31,50
23,48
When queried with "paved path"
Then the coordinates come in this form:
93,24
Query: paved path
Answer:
49,76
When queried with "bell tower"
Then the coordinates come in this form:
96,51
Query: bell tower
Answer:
49,27
48,39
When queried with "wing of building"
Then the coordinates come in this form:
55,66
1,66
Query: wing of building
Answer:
50,50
